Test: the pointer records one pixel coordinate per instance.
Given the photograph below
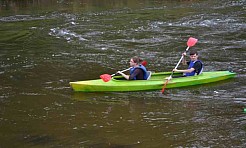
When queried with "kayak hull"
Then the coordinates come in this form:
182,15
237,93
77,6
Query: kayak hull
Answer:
156,82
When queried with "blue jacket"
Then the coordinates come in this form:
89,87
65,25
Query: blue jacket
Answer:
194,72
144,70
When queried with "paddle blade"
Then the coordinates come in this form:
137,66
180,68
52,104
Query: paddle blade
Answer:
144,63
105,77
164,86
191,41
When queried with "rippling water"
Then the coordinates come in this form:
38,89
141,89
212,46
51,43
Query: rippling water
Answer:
45,45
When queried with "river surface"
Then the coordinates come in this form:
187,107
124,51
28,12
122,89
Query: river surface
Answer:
46,44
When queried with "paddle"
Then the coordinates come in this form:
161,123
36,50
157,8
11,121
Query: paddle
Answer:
191,42
107,77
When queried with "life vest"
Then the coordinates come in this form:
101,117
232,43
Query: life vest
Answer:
194,72
145,75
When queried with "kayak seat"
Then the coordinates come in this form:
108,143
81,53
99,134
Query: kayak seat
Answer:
149,74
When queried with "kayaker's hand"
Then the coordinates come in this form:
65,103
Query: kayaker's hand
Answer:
174,70
184,54
119,72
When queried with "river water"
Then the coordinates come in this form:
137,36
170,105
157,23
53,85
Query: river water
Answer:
46,44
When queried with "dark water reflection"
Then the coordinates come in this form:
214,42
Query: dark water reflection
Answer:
46,44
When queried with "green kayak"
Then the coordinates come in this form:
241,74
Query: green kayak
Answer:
156,81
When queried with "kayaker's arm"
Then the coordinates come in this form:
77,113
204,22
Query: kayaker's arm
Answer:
184,60
137,72
124,75
184,71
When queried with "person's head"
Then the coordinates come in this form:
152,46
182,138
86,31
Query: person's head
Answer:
134,61
193,55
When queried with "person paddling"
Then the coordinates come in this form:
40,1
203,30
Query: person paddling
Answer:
195,66
137,71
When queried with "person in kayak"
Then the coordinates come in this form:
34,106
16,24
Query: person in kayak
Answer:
137,71
195,66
